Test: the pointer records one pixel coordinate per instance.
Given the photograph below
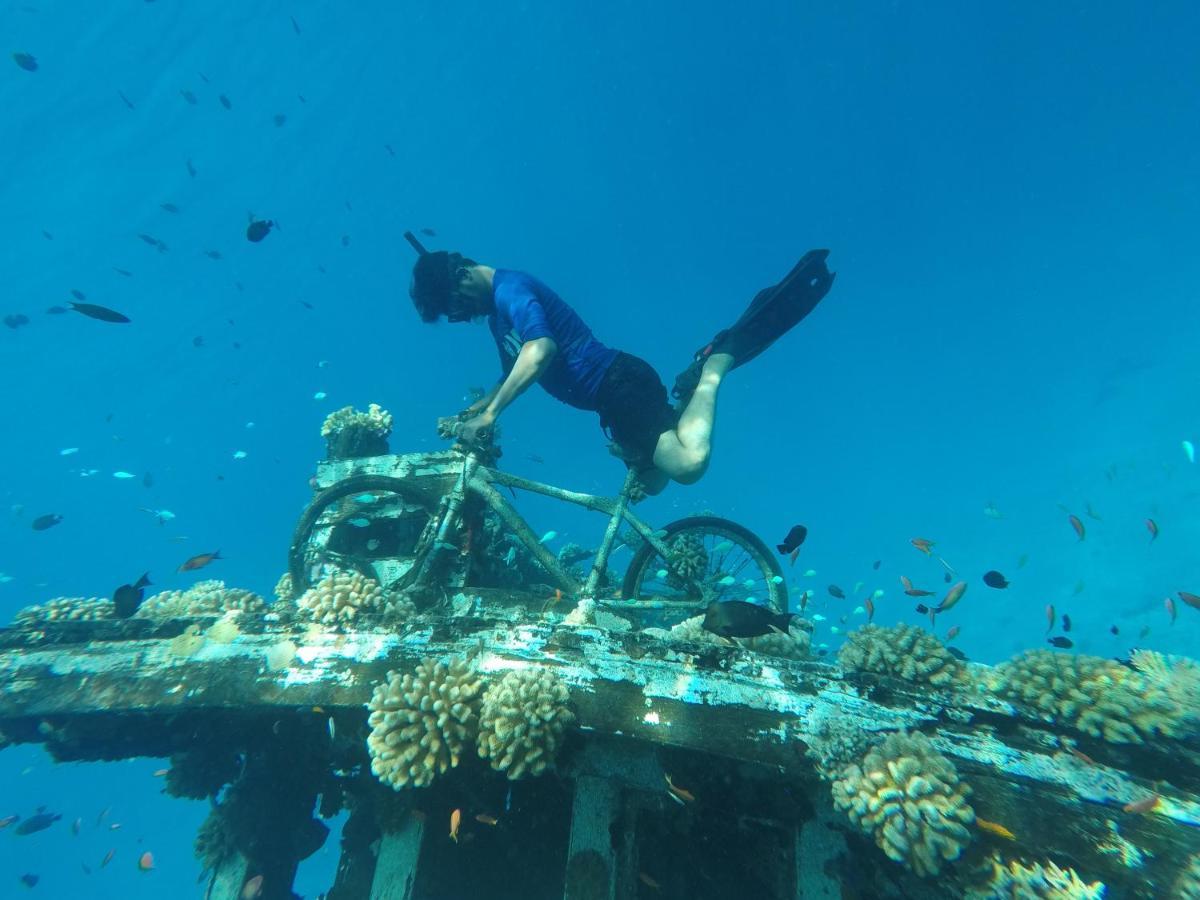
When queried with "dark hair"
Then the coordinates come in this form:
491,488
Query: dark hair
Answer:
434,278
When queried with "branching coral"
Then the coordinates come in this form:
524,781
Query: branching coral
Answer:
903,651
1178,676
909,798
339,598
204,598
1017,881
65,609
793,645
1098,696
522,722
284,590
421,721
688,559
349,433
399,608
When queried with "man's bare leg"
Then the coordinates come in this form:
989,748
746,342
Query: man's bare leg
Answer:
683,454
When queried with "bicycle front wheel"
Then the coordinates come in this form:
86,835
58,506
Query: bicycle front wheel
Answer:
708,558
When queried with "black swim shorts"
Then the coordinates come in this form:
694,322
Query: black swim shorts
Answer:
633,407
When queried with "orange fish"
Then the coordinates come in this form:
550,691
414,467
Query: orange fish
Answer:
870,606
159,773
1141,806
1050,620
252,888
455,821
199,561
146,861
1190,599
995,828
792,556
1078,754
108,857
952,597
953,632
912,591
1077,525
1170,605
485,819
923,544
678,792
1152,527
649,882
8,820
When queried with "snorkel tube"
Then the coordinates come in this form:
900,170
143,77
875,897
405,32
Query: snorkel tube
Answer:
416,245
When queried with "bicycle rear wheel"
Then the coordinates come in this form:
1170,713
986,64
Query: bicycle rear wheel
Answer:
709,559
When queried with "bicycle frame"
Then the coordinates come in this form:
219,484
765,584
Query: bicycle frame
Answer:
481,480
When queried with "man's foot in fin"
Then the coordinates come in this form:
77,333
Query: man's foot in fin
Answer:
772,313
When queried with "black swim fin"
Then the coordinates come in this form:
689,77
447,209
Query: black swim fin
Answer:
771,314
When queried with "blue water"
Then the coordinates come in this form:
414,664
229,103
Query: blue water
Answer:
1010,196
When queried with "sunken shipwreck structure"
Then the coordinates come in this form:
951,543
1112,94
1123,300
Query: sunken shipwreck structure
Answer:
429,666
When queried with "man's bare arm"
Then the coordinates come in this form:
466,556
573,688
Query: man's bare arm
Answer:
531,362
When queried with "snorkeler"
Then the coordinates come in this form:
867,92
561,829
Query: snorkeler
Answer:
542,339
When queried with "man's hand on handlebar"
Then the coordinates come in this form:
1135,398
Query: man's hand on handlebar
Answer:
466,427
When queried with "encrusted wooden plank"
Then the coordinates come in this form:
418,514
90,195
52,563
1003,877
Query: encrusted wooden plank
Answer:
396,866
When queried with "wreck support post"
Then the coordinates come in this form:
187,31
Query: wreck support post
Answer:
591,863
227,881
396,867
817,845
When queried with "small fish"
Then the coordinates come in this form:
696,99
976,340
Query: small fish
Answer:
279,119
1189,451
875,565
224,101
485,819
125,100
912,591
1077,525
723,547
994,579
104,812
1191,600
189,97
870,605
199,561
125,272
1144,805
160,773
794,538
30,880
191,169
332,729
168,207
213,254
1078,754
162,515
103,313
56,310
37,822
922,609
345,240
1066,620
946,578
198,341
146,861
1091,513
428,232
8,820
992,512
108,857
358,522
1061,643
727,581
952,597
676,791
1144,633
128,597
239,454
41,523
953,632
548,537
1079,586
737,618
995,828
26,61
649,881
258,229
793,556
835,591
1152,527
924,545
252,889
123,475
1114,630
1170,606
661,574
320,395
455,821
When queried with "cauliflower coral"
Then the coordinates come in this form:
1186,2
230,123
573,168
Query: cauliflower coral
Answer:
903,651
65,609
204,598
339,598
522,722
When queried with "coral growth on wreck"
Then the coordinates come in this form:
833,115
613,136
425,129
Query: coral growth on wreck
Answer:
204,598
65,609
793,645
284,590
350,433
1098,696
1017,881
903,651
522,721
421,721
909,799
339,598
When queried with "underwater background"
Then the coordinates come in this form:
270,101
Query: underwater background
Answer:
1011,198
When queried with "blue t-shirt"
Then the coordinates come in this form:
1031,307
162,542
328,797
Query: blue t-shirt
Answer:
527,309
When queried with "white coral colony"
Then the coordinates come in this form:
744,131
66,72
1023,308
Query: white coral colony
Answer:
523,720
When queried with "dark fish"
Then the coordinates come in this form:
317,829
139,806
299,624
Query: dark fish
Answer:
795,537
428,232
737,618
875,565
191,169
29,880
345,240
922,609
213,254
225,102
1066,622
128,597
153,242
57,310
957,654
391,152
1114,630
124,272
78,295
1061,642
26,61
279,120
1190,599
836,591
125,99
168,207
103,313
946,578
39,822
295,24
258,229
200,561
47,235
198,341
16,320
41,523
995,579
189,97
